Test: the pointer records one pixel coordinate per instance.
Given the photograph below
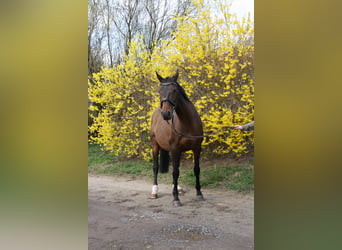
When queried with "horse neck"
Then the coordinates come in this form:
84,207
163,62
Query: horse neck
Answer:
188,118
184,109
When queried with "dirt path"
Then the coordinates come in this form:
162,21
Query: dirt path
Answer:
121,216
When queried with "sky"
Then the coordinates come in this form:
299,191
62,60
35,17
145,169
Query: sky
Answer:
242,7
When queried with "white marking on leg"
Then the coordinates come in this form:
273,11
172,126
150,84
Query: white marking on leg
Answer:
180,189
154,189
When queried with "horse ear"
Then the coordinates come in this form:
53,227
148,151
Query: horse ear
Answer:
159,77
175,77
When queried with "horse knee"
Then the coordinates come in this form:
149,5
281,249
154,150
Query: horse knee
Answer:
175,173
155,168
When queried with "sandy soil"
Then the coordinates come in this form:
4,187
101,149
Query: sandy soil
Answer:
121,215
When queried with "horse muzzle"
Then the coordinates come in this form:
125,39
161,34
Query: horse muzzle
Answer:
167,115
168,110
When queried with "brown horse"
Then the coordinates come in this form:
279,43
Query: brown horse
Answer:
176,127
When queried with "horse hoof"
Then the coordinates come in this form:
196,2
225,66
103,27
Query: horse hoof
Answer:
154,196
177,203
199,198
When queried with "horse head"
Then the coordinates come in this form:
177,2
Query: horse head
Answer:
169,92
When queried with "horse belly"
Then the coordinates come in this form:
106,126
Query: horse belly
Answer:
165,146
189,144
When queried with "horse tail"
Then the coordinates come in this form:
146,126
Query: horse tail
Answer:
164,161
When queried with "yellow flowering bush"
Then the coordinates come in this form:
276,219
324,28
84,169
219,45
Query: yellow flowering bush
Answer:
215,57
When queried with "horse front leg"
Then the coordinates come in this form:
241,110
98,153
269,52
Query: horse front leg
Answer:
175,175
197,171
155,153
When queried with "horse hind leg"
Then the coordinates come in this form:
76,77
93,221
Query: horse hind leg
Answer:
199,195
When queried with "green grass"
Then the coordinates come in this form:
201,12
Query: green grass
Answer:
238,177
102,162
98,158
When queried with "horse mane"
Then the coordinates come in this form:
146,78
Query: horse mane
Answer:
182,91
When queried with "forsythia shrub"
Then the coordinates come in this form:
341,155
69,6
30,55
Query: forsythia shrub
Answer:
215,57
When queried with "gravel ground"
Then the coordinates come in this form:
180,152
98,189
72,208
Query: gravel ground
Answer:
121,215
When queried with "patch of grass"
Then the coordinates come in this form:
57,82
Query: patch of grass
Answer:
236,177
140,168
102,162
240,178
98,157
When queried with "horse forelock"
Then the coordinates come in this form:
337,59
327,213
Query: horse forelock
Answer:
168,79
